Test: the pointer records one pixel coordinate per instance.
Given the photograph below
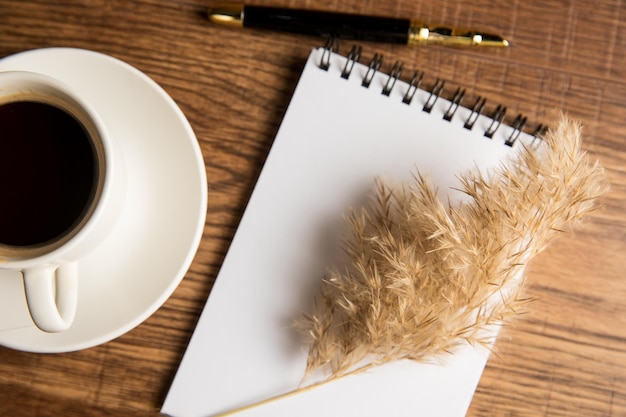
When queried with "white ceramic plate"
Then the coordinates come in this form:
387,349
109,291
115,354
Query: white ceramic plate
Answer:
145,257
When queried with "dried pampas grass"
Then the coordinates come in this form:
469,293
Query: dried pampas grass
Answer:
426,277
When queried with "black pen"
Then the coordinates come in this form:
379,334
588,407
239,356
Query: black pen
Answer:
349,26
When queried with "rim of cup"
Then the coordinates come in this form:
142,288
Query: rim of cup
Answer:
31,86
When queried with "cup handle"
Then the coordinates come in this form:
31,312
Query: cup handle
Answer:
52,294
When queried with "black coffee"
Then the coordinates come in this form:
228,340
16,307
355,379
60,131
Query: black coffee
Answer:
47,173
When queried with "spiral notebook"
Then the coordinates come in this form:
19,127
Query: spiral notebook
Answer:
347,124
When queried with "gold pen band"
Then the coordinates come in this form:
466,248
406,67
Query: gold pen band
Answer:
230,15
422,34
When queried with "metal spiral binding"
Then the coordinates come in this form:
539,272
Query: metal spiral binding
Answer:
540,131
414,85
373,68
395,73
476,110
353,58
518,126
496,120
454,104
330,47
435,92
538,134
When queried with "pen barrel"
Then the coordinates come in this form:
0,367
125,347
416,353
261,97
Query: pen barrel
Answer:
340,25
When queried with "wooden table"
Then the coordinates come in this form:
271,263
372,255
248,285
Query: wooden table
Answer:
567,356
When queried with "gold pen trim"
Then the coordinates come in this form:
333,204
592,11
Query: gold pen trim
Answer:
423,34
230,15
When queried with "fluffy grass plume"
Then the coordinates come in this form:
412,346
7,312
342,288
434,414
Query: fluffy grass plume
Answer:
426,277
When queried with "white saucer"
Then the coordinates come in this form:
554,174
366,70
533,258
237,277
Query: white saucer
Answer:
145,257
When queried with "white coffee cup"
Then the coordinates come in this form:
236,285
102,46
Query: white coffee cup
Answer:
48,254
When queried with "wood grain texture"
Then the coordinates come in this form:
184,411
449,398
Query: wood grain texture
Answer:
566,357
